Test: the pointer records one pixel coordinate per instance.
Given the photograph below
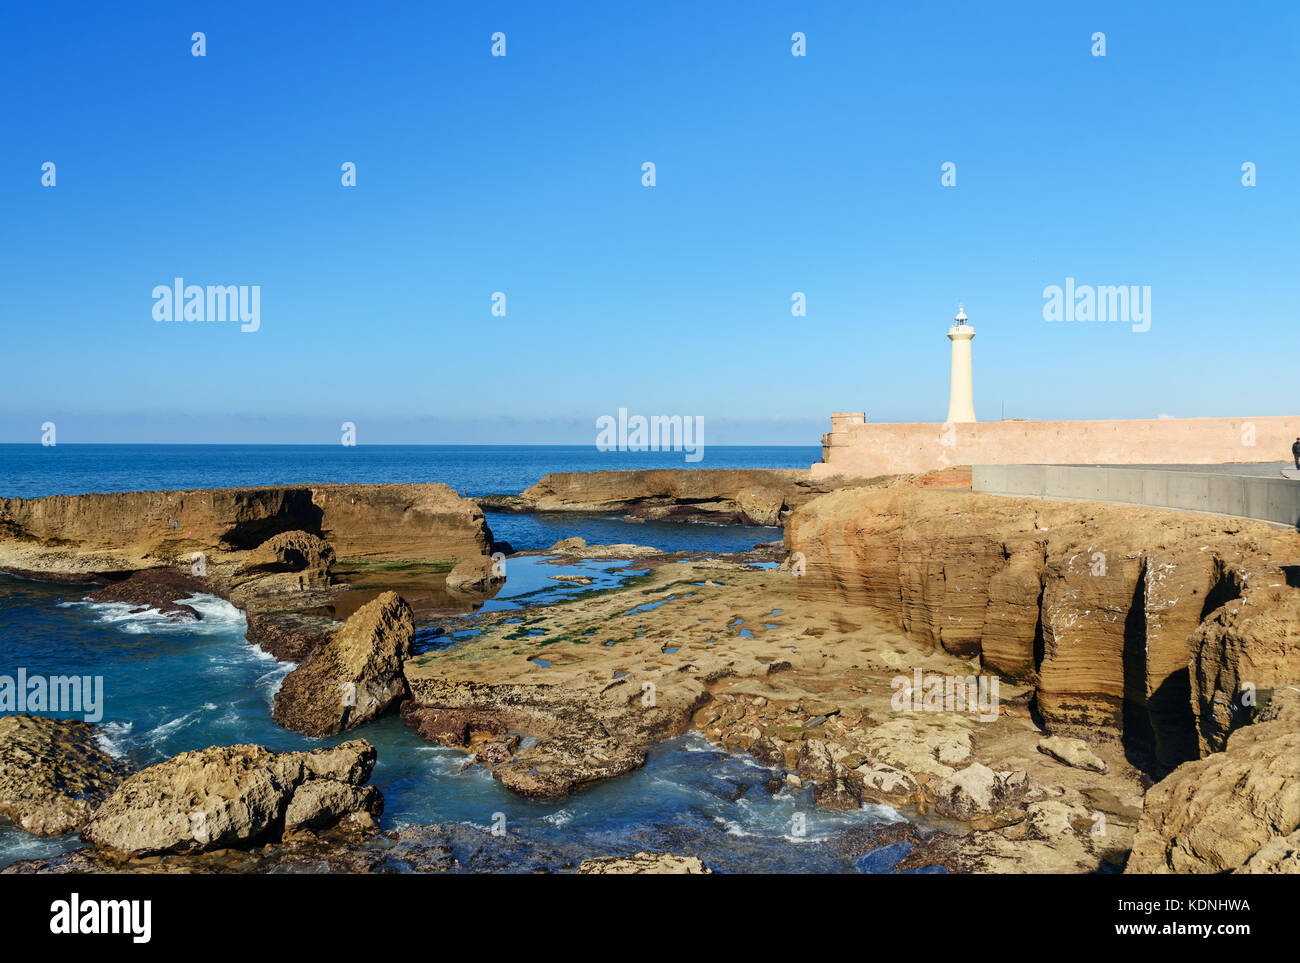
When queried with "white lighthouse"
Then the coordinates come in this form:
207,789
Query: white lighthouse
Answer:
961,398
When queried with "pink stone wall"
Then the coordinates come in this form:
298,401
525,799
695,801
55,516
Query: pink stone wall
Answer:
864,450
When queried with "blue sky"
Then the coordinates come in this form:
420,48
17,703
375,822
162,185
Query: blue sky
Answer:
522,174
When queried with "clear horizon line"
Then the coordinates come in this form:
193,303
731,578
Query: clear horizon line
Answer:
306,444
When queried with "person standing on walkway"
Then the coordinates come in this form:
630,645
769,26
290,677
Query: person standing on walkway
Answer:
1295,453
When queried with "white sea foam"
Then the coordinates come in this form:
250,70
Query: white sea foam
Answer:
559,819
269,682
158,733
217,616
111,737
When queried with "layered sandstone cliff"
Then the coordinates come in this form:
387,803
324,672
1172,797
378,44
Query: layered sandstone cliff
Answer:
1151,627
84,536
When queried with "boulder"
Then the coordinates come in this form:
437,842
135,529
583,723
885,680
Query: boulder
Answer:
1072,752
355,676
815,761
476,575
52,773
235,797
979,791
768,751
886,780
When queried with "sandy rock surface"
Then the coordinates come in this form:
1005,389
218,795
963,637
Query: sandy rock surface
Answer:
355,676
53,773
235,796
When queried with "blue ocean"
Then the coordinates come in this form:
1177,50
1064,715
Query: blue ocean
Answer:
171,687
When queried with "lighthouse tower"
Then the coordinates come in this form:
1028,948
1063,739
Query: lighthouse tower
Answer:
961,399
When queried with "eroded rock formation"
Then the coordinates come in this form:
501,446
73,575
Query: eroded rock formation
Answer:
236,796
109,535
299,559
1103,608
1233,811
354,676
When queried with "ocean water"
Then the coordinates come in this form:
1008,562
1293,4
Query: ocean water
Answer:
31,471
28,471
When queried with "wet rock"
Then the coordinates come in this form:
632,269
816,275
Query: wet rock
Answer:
815,761
158,589
839,792
577,547
236,796
498,753
52,773
454,728
289,636
355,676
554,766
768,751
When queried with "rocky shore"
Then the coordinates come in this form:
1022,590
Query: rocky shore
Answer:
1147,666
711,495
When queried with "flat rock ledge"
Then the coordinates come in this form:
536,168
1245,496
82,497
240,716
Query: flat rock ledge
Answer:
355,676
236,797
577,547
640,863
52,773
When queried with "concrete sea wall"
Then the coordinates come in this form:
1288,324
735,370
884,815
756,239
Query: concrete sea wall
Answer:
854,447
1248,496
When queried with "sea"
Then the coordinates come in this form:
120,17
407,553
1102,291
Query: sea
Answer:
170,687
